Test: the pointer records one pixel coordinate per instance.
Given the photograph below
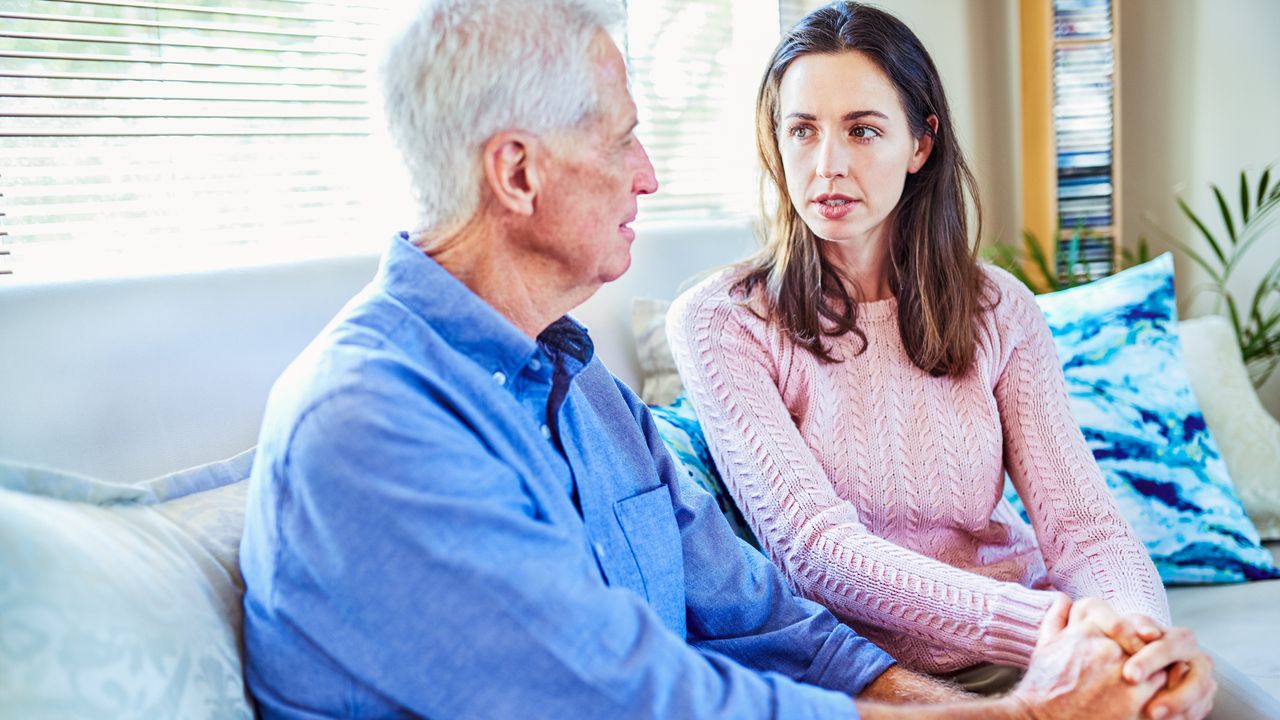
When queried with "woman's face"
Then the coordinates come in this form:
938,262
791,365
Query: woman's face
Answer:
846,147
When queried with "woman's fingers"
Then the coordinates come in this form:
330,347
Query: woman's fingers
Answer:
1130,632
1055,620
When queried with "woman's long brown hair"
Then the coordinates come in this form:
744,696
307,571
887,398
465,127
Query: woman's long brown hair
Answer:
934,273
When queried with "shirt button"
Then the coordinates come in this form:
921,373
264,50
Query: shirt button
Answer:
599,551
535,365
546,432
500,378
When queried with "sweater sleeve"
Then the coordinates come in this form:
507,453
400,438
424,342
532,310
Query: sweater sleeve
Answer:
1088,547
814,535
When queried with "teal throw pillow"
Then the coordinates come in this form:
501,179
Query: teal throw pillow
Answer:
1118,343
682,433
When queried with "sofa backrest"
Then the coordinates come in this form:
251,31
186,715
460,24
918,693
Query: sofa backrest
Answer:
128,379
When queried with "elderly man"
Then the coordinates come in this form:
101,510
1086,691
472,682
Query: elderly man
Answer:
457,512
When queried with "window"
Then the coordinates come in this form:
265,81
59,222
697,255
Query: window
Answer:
143,135
695,69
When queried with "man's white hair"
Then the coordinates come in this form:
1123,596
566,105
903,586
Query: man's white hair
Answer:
463,70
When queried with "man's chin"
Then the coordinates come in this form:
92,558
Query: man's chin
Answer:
618,271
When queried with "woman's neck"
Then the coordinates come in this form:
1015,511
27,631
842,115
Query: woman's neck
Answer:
866,265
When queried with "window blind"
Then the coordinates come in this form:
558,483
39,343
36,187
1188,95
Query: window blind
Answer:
132,128
695,68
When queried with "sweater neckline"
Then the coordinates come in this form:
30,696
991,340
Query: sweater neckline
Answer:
878,310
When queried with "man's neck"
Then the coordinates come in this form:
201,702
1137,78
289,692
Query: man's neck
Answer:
512,283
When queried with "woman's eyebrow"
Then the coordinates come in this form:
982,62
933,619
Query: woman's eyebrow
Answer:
851,115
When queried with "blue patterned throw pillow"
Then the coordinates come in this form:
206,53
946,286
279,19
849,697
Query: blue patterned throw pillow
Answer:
682,433
1118,343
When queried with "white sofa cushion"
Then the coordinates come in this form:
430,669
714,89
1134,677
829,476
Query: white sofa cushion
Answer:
1248,437
122,601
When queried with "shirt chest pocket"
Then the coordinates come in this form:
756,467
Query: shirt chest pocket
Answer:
649,525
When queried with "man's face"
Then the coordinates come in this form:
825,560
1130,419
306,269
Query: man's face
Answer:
593,177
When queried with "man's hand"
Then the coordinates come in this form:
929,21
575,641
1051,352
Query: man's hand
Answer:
1076,673
1174,651
1191,687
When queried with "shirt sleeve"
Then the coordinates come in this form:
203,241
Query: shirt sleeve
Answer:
1088,547
739,605
418,562
809,530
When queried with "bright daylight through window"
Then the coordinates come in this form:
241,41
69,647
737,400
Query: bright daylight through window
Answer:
156,136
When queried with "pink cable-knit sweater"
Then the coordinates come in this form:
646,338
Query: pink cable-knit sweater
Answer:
877,488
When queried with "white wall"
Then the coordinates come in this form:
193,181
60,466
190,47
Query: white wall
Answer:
1200,100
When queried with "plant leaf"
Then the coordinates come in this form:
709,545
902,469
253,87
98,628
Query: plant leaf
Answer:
1244,198
1235,321
1262,186
1256,230
1195,219
1214,273
1226,214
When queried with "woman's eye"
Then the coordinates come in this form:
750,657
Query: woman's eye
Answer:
864,131
800,132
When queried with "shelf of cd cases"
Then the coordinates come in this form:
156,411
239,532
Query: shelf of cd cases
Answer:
1084,138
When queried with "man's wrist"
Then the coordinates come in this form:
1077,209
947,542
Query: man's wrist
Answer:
1012,706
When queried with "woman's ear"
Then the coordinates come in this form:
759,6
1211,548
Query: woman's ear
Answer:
924,146
510,170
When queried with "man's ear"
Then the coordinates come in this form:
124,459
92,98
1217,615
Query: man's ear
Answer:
511,172
924,146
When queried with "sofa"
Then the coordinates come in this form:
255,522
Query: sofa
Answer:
135,403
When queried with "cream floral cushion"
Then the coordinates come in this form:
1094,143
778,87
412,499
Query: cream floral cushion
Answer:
660,381
1248,437
121,601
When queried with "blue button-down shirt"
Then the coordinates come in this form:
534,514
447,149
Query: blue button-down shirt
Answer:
448,519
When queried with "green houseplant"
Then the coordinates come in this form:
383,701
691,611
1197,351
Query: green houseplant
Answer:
1256,319
1044,275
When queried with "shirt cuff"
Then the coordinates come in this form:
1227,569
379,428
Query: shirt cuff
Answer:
806,702
847,662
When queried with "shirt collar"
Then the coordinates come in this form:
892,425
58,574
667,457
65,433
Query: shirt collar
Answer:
466,321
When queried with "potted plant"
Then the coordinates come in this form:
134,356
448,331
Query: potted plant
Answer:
1256,319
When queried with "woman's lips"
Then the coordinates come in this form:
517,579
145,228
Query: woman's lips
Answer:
834,207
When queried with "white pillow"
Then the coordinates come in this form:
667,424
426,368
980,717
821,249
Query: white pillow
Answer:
659,380
1248,437
117,604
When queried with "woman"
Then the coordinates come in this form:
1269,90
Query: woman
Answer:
865,384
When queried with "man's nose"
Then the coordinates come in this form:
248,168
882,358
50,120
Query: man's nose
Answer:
645,180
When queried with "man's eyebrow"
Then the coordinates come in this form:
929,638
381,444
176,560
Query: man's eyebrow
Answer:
851,115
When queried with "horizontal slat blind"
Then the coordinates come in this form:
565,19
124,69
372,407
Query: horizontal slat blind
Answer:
695,66
143,127
133,129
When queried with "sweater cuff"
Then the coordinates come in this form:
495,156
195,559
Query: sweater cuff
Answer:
1014,627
